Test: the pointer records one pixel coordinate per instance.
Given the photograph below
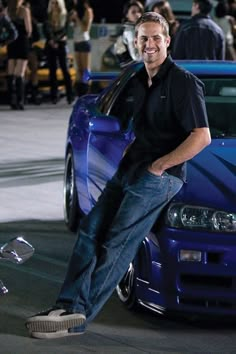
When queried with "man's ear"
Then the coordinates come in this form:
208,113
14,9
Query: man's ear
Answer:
168,40
135,42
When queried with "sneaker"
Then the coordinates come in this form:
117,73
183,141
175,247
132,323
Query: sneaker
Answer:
55,323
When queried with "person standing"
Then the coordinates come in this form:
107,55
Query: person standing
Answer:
226,22
82,17
33,60
124,46
170,126
164,8
55,30
18,52
199,37
8,32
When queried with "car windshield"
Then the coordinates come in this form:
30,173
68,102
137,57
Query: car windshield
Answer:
221,106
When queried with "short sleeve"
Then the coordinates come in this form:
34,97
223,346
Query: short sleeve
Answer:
189,101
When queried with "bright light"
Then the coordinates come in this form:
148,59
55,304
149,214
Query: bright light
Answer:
190,256
197,217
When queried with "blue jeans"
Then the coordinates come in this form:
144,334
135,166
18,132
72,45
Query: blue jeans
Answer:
109,237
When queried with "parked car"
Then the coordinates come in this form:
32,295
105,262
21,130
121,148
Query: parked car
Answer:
187,263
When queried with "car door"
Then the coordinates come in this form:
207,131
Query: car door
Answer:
110,134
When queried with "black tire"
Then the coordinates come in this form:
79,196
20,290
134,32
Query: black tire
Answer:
72,212
126,289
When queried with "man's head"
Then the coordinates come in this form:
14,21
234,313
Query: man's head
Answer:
152,17
152,38
203,7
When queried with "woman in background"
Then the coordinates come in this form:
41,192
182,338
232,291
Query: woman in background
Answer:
82,17
18,52
124,47
55,30
226,23
164,9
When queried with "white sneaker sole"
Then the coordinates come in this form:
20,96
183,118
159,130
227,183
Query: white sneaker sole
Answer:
51,335
53,324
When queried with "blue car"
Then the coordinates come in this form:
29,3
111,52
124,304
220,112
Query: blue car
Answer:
187,263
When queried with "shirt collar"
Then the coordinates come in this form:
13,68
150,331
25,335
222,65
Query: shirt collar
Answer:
165,66
197,16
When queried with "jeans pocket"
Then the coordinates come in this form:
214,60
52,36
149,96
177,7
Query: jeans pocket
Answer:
156,176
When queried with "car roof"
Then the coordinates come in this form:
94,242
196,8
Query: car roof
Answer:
204,67
197,67
209,67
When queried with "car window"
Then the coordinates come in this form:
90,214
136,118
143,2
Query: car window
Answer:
123,106
221,106
118,101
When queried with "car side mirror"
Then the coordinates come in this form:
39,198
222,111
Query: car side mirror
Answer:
104,124
17,250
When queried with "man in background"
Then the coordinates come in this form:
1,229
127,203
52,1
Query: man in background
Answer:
199,37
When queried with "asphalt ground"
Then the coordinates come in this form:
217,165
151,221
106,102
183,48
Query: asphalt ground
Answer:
31,194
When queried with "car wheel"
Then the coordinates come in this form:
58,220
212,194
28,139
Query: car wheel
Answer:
126,289
72,212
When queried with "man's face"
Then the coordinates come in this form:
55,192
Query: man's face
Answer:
195,9
151,43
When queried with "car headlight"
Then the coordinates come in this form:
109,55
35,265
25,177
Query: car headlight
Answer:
197,217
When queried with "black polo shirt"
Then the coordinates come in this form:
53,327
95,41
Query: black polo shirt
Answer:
164,115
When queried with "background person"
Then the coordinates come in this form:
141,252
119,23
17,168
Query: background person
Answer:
232,13
124,47
82,18
164,8
8,31
226,23
199,37
55,30
33,59
168,132
18,52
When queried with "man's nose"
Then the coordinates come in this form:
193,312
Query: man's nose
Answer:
150,42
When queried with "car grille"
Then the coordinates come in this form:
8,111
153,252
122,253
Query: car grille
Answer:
206,281
206,303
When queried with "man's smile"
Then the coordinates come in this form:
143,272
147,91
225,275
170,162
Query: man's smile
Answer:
150,51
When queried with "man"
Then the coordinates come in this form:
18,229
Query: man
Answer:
170,125
8,32
199,37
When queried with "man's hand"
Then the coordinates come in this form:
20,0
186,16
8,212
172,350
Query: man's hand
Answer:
155,170
195,142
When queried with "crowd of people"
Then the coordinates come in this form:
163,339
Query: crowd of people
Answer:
210,33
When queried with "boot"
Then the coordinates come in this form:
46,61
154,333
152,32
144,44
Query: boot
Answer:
20,92
11,84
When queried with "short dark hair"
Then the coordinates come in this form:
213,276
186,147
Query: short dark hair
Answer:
221,9
131,3
153,17
205,6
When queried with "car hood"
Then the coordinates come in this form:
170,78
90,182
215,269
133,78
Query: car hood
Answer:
211,177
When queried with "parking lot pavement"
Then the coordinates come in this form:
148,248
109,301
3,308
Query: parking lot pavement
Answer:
31,181
32,157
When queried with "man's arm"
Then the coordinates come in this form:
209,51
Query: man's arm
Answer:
195,142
